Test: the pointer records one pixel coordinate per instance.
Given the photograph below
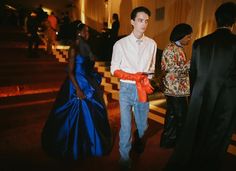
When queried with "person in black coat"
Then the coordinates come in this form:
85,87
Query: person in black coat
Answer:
33,37
115,27
211,117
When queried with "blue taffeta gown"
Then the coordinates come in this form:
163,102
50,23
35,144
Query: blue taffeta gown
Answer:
78,128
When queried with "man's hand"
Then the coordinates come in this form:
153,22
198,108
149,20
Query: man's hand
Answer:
147,86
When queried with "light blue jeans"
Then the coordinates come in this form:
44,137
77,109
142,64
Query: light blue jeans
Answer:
129,101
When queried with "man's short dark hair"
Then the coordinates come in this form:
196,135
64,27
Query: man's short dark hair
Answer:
139,9
226,14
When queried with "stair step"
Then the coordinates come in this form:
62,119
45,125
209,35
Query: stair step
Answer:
109,100
31,64
106,74
9,54
25,58
31,79
23,115
102,68
29,71
102,63
25,99
115,80
115,95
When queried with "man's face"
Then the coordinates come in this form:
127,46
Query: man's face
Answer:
140,22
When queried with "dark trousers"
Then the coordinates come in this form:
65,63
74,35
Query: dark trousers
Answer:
33,44
174,119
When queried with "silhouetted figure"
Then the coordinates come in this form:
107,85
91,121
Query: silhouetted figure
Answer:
22,16
33,38
64,30
13,19
211,117
51,32
115,28
73,29
40,13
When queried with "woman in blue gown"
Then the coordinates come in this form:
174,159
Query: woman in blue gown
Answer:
78,124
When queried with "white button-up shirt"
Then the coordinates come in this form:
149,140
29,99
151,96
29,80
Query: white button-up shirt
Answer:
134,55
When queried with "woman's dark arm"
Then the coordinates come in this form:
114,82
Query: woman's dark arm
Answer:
72,55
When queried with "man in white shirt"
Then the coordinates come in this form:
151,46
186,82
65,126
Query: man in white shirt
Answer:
133,61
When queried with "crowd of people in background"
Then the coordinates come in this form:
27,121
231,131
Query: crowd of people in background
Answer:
58,27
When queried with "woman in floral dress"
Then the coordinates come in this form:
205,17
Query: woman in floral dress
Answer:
175,67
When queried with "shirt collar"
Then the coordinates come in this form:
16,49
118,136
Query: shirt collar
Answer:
134,39
178,43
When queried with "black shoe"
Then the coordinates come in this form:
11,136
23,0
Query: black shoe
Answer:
167,142
138,143
125,164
